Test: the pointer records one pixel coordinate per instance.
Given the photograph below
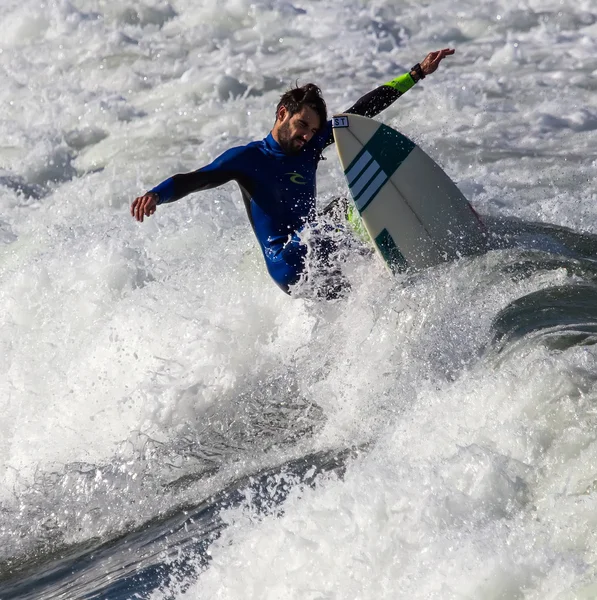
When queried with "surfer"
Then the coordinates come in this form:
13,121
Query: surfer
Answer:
276,177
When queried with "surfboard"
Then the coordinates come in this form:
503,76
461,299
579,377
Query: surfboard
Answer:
415,214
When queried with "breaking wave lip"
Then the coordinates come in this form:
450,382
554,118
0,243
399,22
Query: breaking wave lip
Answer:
558,317
167,548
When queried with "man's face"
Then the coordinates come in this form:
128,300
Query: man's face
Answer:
296,130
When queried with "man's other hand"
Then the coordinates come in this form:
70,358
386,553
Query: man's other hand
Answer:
144,206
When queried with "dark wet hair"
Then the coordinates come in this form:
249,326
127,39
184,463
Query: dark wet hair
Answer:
307,95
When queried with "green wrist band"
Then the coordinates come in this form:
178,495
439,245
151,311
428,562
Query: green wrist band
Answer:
403,83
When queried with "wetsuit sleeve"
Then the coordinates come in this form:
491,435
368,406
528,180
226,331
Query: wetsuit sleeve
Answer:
227,167
377,100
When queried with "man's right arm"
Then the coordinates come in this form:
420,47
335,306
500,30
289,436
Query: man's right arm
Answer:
222,170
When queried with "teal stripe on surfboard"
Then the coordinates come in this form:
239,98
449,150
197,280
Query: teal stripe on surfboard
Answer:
390,252
376,163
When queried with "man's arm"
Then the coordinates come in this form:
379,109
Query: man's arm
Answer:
380,98
222,170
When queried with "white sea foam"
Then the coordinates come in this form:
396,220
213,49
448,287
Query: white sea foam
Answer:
480,479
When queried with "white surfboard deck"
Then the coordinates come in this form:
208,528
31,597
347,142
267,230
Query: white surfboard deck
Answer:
412,210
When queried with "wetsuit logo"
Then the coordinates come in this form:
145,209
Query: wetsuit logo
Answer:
297,178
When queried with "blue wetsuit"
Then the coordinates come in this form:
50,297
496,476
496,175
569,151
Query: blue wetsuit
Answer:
278,189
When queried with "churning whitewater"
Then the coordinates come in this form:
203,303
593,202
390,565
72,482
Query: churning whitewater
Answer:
174,426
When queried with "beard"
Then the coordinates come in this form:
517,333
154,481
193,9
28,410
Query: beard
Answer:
290,145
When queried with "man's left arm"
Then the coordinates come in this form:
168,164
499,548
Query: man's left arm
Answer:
380,98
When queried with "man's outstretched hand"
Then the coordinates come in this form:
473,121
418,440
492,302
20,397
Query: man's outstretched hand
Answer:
430,63
144,206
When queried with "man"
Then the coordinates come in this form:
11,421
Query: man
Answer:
277,175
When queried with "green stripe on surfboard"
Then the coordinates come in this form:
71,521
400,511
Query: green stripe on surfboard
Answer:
388,149
390,252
